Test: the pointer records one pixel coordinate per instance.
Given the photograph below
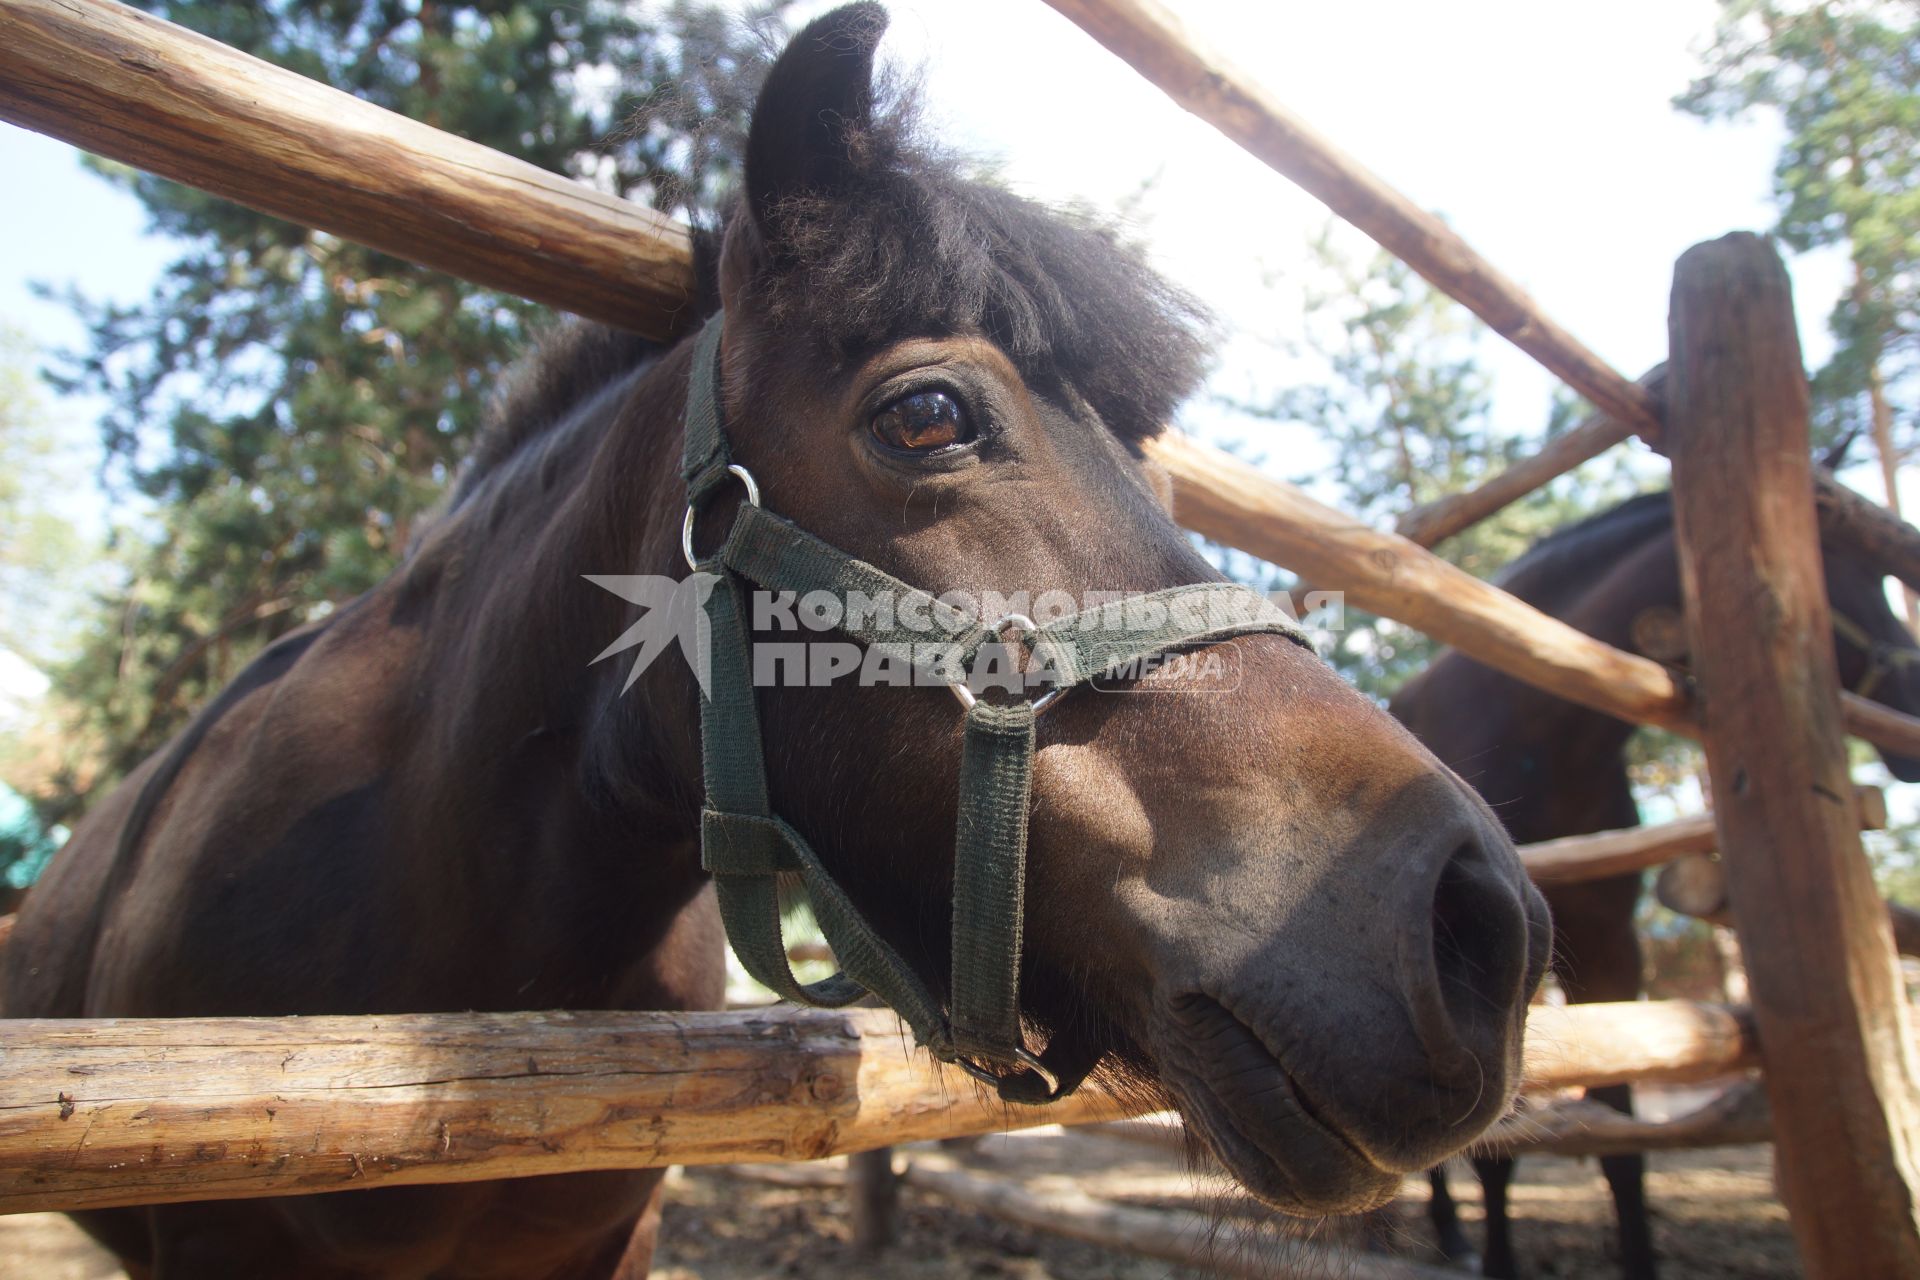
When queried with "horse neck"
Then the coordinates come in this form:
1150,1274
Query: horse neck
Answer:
1553,767
597,494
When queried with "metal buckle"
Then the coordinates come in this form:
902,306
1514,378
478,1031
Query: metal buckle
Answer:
1024,629
686,524
1027,1061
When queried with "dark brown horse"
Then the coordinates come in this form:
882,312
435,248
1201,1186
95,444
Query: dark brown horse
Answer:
1276,909
1550,768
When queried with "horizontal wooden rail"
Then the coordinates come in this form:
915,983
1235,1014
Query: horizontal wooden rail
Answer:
1846,516
1572,859
1736,1116
1152,41
1696,885
1434,523
1644,1042
1223,498
1884,727
1857,521
129,86
1610,853
1220,497
117,1111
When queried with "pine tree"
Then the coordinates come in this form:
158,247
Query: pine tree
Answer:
1845,80
1403,404
292,403
40,548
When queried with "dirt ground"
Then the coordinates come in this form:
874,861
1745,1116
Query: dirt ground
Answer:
1716,1219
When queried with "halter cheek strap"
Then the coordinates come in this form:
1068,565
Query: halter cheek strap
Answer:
746,847
1883,659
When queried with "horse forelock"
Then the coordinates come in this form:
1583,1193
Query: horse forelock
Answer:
913,245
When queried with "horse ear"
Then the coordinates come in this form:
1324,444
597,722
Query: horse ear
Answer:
1836,457
818,93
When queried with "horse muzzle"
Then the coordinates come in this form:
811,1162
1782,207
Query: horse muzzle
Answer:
1374,1029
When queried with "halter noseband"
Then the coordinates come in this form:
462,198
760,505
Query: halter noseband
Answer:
1883,659
746,847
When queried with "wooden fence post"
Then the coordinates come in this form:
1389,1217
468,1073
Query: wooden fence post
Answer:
873,1199
1832,1019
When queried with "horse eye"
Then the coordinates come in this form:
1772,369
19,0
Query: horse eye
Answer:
922,423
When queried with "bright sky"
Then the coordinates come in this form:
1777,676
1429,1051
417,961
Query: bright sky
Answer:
1543,132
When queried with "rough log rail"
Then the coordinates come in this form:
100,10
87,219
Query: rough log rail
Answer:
1857,521
1611,853
1143,34
1442,518
1696,885
1221,497
1853,519
112,1111
1737,1116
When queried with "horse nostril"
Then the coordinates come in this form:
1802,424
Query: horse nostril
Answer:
1479,958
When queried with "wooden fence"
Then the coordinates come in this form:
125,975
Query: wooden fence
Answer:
117,1111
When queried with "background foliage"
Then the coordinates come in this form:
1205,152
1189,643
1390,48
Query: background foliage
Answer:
1391,384
1844,79
289,404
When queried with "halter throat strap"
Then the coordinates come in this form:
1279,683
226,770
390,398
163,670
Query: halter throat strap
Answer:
746,847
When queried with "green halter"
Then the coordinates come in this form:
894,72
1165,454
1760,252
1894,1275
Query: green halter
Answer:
1883,659
746,847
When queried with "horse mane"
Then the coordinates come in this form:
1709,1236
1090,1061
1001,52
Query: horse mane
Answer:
1558,561
570,361
914,247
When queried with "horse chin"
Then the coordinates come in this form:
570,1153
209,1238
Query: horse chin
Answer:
1258,1119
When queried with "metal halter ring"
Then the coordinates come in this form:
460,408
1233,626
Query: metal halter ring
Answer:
1024,628
686,525
1027,1061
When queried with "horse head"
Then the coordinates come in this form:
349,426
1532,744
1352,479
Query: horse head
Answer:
1263,897
1877,654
